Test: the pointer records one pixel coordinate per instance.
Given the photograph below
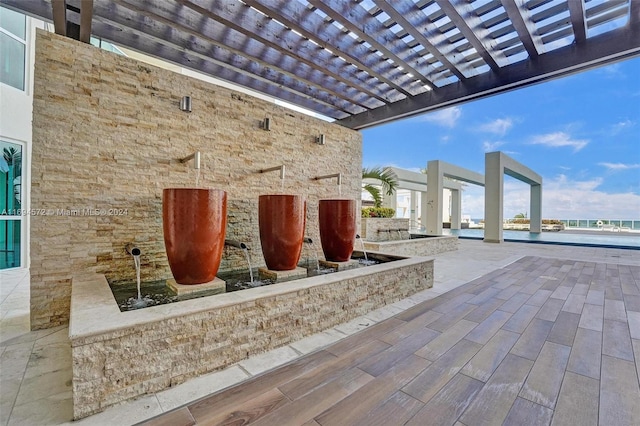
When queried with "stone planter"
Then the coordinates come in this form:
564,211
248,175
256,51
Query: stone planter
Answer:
384,229
194,222
281,222
337,222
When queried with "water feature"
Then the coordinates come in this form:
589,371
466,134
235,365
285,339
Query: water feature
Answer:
159,293
248,257
365,261
314,250
138,302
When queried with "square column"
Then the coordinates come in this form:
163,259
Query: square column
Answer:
497,165
413,209
493,203
535,203
456,209
433,210
390,201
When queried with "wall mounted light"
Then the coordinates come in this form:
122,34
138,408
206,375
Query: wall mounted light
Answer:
266,124
185,104
320,140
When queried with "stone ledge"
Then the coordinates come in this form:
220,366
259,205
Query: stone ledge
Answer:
148,350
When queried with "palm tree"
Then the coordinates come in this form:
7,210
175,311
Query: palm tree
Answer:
13,157
386,179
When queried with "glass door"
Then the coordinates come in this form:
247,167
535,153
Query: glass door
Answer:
11,213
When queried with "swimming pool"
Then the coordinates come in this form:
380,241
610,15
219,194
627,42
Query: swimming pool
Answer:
622,240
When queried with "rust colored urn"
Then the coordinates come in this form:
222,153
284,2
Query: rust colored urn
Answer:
281,222
337,221
194,222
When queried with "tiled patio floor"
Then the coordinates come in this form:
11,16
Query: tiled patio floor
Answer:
397,363
542,341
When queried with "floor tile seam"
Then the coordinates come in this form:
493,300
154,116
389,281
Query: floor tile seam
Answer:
542,405
493,373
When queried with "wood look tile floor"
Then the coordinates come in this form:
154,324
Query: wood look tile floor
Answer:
540,342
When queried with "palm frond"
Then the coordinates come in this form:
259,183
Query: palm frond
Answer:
386,178
375,193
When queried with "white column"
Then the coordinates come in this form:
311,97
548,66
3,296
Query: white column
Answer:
456,208
536,209
433,209
423,209
390,201
493,189
413,209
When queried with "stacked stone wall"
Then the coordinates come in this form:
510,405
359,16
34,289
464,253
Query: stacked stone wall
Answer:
107,138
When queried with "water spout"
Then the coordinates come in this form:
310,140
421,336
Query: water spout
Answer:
136,252
335,175
236,244
132,250
363,250
309,241
245,249
195,157
271,169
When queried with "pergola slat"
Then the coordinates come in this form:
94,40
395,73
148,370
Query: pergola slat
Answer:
255,25
86,15
464,20
59,16
206,38
225,66
525,29
415,22
359,21
362,62
301,19
199,63
603,49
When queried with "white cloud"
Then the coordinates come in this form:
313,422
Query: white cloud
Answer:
499,126
622,126
491,146
559,139
562,198
444,117
619,166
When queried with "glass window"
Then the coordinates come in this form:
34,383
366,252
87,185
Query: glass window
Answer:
12,57
10,178
13,22
12,48
10,204
10,237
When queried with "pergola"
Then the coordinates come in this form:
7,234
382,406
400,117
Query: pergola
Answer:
362,62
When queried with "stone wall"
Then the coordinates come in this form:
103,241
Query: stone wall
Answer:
107,136
384,229
131,356
415,247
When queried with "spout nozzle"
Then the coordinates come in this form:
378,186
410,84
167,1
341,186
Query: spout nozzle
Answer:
132,250
236,244
335,175
271,169
196,159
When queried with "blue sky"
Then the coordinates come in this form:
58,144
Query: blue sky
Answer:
580,133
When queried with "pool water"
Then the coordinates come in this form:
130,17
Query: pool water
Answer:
621,240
